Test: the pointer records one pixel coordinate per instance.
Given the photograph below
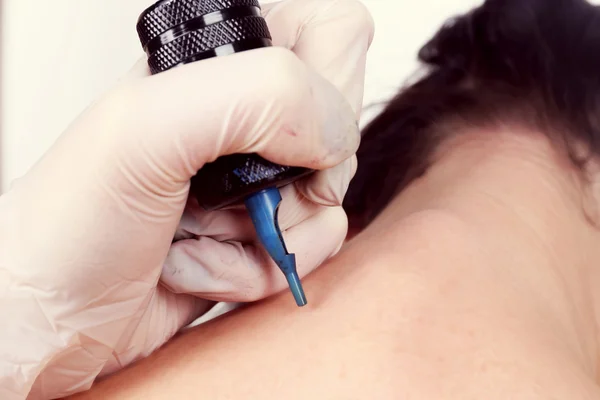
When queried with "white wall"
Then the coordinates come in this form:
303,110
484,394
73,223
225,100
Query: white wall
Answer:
61,54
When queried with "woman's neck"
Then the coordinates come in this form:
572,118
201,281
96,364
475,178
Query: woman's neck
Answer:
527,206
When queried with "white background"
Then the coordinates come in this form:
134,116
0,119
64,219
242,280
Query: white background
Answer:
59,55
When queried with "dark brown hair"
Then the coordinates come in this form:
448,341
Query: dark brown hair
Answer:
535,63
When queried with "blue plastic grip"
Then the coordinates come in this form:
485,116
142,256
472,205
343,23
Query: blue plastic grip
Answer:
263,207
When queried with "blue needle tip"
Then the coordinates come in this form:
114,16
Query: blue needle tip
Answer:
296,288
263,207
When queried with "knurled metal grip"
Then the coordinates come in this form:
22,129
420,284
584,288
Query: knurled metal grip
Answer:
177,32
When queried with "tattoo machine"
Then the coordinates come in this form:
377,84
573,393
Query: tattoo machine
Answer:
178,32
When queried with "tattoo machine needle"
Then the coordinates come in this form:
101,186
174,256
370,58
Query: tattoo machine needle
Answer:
178,32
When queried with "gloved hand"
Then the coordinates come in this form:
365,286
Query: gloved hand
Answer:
85,234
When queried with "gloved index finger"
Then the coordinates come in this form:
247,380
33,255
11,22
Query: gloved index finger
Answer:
264,101
331,36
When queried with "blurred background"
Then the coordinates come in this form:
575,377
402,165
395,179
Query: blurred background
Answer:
57,56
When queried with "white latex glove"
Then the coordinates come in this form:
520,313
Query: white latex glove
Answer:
84,235
332,38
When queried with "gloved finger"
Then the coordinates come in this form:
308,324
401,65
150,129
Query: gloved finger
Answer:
297,110
332,36
296,206
232,271
234,224
329,187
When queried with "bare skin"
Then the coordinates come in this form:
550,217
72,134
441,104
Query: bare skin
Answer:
480,281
